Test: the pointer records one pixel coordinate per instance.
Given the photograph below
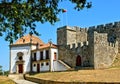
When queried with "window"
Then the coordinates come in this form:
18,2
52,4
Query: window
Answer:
20,58
55,55
34,65
42,64
41,55
34,56
47,54
47,63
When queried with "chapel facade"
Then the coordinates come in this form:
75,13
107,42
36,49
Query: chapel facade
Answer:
31,54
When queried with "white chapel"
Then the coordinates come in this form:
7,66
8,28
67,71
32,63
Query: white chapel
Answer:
30,54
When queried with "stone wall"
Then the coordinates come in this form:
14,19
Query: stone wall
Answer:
104,51
101,47
71,41
112,29
69,54
61,36
68,35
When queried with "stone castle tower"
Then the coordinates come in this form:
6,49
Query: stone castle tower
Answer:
95,46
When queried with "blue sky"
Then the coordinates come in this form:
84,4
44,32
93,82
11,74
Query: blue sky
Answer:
102,12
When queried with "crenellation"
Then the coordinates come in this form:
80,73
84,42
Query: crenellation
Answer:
100,26
109,25
69,46
111,44
96,44
81,43
84,43
76,28
78,44
73,46
86,29
92,27
117,24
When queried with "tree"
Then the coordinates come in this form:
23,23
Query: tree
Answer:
17,16
1,72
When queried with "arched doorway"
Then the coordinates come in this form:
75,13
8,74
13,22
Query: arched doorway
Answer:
78,61
20,63
20,68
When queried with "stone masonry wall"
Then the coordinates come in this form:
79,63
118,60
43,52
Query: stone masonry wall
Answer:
61,36
112,29
104,51
69,54
71,44
68,35
101,48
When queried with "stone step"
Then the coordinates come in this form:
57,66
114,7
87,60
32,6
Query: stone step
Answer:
16,76
64,64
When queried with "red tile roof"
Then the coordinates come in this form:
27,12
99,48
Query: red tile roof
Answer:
26,39
47,46
35,40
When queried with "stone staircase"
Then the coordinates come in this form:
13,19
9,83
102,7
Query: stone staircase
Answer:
116,62
62,62
16,76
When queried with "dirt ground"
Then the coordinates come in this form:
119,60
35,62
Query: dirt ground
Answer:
106,75
5,80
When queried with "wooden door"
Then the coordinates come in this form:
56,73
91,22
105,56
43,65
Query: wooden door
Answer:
38,68
78,61
20,67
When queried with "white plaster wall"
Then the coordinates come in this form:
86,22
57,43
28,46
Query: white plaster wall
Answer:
44,54
26,57
44,67
33,47
37,55
52,57
34,68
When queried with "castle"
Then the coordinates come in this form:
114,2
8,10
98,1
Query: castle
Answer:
95,47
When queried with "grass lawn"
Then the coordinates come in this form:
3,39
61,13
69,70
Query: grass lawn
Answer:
5,80
106,75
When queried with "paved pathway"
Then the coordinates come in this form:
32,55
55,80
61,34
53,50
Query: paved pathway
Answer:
22,81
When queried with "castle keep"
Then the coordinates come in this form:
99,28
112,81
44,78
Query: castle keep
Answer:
95,47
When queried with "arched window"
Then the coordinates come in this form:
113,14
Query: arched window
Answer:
20,55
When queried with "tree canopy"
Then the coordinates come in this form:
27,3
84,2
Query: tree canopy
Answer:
18,16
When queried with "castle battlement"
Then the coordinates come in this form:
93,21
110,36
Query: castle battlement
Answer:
78,29
98,27
74,28
95,46
77,45
113,44
105,26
